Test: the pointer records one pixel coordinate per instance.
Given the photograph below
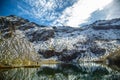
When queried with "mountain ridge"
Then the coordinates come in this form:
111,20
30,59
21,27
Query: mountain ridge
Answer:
70,44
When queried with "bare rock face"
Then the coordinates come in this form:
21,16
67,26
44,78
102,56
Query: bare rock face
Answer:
98,51
49,53
6,28
41,35
106,24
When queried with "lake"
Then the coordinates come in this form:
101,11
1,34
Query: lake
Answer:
82,71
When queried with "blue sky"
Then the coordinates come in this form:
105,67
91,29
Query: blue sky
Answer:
61,12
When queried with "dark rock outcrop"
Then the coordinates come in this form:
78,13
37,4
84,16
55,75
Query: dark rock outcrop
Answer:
49,53
98,51
106,27
41,35
69,57
114,58
106,24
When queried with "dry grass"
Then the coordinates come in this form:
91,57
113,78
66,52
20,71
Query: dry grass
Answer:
114,56
49,62
17,51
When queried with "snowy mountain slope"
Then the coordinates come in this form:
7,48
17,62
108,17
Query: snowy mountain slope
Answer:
65,43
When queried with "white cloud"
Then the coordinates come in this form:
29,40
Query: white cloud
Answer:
71,16
113,9
80,11
40,8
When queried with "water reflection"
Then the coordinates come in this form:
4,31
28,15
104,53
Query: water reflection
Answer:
83,71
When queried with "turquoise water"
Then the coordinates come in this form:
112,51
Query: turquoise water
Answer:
83,71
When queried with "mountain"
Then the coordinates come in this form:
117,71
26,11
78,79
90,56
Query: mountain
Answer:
14,49
65,43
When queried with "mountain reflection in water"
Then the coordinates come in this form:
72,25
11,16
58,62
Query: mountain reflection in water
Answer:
83,71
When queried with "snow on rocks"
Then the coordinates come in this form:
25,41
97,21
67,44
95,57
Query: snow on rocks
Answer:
70,44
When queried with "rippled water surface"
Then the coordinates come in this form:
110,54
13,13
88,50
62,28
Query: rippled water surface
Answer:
83,71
